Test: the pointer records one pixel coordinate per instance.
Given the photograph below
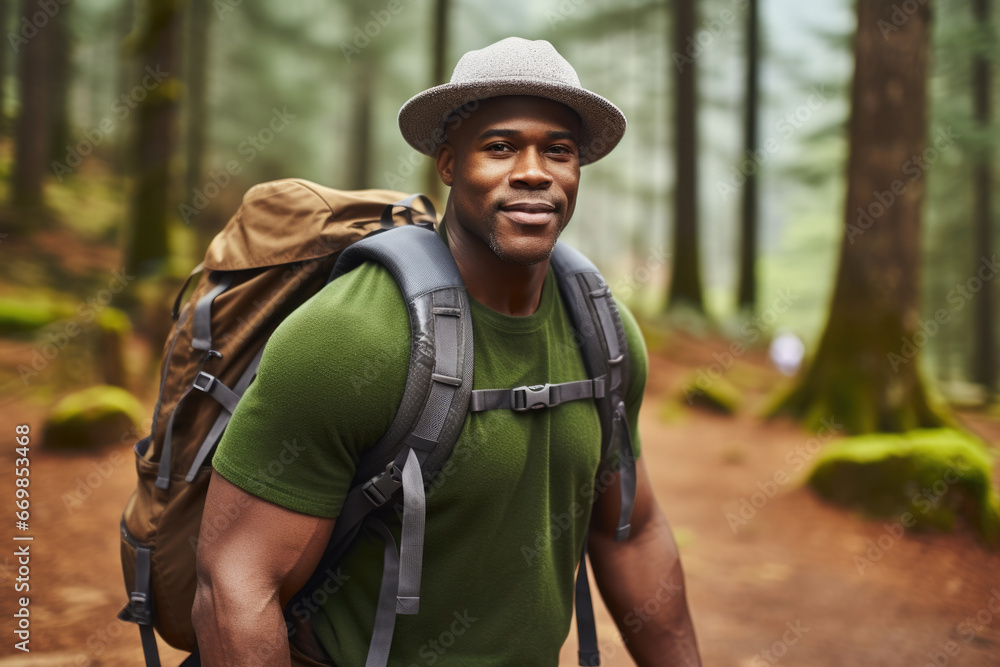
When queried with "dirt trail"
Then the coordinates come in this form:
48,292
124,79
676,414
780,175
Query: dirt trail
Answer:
793,564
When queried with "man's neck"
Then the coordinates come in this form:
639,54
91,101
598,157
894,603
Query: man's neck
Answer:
506,287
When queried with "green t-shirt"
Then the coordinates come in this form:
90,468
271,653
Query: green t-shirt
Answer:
507,516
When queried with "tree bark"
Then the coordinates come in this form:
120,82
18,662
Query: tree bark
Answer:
747,293
439,54
59,75
33,131
685,281
199,19
865,372
155,136
984,358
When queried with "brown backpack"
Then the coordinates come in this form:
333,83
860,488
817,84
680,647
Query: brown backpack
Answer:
273,254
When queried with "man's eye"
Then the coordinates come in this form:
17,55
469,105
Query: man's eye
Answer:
562,150
497,147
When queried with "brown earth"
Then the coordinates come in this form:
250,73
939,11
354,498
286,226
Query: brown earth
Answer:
794,563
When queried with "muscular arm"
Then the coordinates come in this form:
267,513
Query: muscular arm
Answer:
644,572
248,568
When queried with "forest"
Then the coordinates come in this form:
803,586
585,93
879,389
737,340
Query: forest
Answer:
801,215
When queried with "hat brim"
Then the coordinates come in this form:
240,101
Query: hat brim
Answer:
422,118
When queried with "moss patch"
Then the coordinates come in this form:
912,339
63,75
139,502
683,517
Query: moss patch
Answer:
91,418
717,395
22,315
923,478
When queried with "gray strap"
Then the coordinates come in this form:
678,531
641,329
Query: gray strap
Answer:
586,626
223,419
602,303
141,606
163,471
214,387
627,480
522,399
201,328
385,617
411,541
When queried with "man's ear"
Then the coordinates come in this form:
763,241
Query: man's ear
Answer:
445,160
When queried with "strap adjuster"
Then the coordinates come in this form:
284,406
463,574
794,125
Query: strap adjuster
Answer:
380,488
204,381
140,609
527,398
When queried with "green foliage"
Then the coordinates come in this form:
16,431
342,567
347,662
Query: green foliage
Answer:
92,417
714,394
22,315
925,478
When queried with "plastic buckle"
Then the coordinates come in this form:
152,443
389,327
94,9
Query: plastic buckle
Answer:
530,398
139,607
206,379
380,488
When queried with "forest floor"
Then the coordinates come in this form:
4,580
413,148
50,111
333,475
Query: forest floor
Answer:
853,593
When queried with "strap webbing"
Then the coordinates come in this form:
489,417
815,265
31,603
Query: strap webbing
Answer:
538,396
627,480
141,602
411,541
385,617
201,327
163,470
586,626
215,388
222,420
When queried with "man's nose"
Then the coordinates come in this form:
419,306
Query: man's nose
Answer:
529,170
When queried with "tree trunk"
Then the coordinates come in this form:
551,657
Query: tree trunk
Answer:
439,55
199,17
685,281
865,373
59,81
154,137
984,360
4,64
361,124
33,128
747,297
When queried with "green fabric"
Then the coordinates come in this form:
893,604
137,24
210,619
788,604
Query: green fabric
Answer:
507,516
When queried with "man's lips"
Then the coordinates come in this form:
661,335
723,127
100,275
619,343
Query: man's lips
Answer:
530,213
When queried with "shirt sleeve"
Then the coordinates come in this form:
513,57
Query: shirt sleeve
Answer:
329,383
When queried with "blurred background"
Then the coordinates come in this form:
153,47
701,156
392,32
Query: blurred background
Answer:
801,215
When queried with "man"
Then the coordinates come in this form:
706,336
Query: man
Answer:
506,523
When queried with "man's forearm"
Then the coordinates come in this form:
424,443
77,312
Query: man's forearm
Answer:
232,632
642,584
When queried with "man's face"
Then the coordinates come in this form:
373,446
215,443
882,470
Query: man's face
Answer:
513,165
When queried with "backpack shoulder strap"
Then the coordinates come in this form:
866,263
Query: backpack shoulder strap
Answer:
426,426
605,352
601,338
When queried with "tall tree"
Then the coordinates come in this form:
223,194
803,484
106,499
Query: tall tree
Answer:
984,358
864,374
58,77
685,281
747,298
32,134
154,136
4,63
439,63
199,17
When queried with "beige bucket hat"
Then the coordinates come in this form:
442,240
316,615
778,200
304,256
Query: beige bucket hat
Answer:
512,66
